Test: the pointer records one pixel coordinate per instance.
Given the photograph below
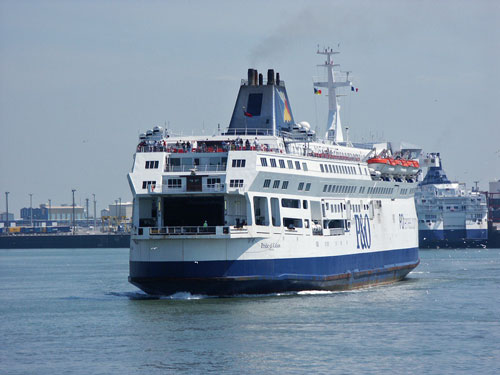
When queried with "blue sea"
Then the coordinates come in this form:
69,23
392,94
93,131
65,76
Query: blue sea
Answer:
73,312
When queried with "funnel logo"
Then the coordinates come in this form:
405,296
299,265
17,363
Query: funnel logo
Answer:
287,117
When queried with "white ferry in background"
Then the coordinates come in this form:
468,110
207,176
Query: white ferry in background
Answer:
268,206
449,214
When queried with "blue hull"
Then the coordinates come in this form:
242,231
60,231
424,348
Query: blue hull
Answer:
452,238
273,276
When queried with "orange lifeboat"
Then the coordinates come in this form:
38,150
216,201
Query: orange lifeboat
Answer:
382,165
391,166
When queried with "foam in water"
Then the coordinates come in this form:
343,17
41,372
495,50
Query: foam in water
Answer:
185,296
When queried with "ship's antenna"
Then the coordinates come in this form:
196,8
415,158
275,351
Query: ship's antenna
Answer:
334,126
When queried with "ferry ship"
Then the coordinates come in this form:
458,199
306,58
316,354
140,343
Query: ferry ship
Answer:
449,214
268,206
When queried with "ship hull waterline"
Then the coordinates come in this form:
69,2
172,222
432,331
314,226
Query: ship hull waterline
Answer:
167,278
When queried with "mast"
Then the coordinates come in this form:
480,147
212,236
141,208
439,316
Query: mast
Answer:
334,127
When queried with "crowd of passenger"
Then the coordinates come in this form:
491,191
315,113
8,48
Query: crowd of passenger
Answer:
237,144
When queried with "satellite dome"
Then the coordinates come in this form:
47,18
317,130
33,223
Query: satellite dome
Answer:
305,125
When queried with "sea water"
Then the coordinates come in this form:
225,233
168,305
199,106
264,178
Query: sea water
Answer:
72,311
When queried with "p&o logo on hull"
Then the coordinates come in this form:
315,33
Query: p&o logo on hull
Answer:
363,231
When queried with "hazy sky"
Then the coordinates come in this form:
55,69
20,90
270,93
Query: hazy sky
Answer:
79,80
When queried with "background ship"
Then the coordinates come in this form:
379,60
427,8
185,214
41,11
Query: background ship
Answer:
494,215
449,215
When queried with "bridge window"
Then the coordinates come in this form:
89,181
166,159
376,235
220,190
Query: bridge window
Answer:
297,165
263,162
273,163
267,183
290,164
304,167
282,163
321,166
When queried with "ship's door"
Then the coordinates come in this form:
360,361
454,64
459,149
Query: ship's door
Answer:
348,210
193,183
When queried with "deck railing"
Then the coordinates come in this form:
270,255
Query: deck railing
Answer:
197,168
325,154
205,188
181,231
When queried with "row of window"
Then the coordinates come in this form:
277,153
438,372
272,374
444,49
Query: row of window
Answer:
290,164
341,169
352,189
213,182
152,164
239,163
407,191
146,184
284,185
357,208
380,190
331,168
301,186
343,189
235,183
174,183
428,221
340,207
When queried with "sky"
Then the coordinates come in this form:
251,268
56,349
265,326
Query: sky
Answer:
79,80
